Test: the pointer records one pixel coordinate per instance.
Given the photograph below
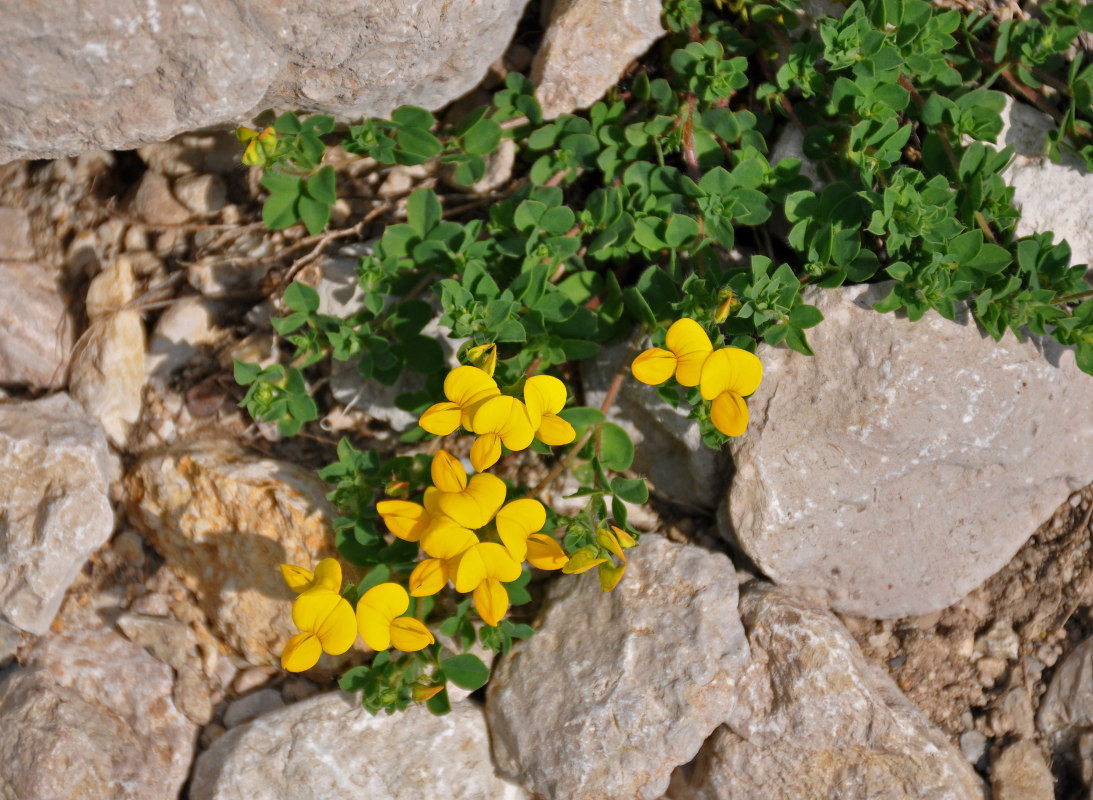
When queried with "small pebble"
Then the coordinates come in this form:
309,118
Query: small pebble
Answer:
990,669
251,706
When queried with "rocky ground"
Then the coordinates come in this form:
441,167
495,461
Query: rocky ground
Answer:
883,591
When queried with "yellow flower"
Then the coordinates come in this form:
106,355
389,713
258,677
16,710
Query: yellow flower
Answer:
499,420
327,575
728,376
544,397
404,519
584,559
473,503
466,388
688,346
483,356
444,542
544,552
483,569
381,624
326,623
260,147
610,575
516,522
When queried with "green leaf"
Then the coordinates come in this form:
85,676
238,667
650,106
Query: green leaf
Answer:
582,416
413,116
301,297
374,577
616,449
288,124
322,186
466,671
482,138
315,214
423,211
632,490
246,374
439,703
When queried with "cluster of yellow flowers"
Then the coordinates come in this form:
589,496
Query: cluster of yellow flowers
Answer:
469,535
328,623
724,376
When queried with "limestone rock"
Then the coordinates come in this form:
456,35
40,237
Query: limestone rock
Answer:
111,289
905,462
329,746
15,244
107,374
155,203
1066,709
250,706
55,472
617,689
1020,773
225,520
111,75
38,328
168,640
204,195
818,720
668,447
186,326
587,46
91,717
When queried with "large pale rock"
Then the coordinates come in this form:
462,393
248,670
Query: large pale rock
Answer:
587,46
55,472
92,717
329,746
1021,773
905,462
616,690
38,329
106,74
1051,196
1065,715
818,720
107,374
225,520
668,446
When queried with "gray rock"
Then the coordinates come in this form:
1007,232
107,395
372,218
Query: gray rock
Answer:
587,46
155,204
191,695
617,689
108,75
1020,773
1066,709
204,195
168,640
215,152
91,717
860,462
668,446
330,746
38,328
107,373
55,472
1051,196
817,720
15,244
224,520
252,706
185,326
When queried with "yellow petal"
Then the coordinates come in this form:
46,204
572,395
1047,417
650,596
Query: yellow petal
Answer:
404,519
729,414
447,473
626,541
445,539
301,652
516,521
544,552
441,418
499,564
311,608
379,606
410,635
298,579
730,369
463,384
610,575
518,431
339,630
493,415
483,356
474,507
375,630
555,431
690,344
491,601
583,559
653,366
328,574
428,578
544,394
608,542
486,451
469,570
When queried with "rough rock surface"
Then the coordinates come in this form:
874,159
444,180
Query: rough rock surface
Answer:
182,330
1051,196
94,74
1066,709
107,374
856,473
55,472
818,720
91,717
668,447
38,328
616,690
329,746
587,46
225,520
1020,773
